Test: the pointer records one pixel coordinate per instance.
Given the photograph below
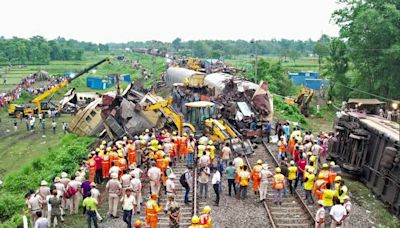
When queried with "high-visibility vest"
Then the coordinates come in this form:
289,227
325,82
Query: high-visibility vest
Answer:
92,164
152,209
279,181
325,174
244,178
211,148
344,193
327,197
205,219
122,163
131,155
255,174
308,185
292,173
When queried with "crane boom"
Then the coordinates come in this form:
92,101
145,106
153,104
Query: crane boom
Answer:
38,100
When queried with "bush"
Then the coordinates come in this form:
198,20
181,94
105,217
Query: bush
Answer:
16,184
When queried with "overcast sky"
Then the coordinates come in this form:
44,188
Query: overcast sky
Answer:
139,20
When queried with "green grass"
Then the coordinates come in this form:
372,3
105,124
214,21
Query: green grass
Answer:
363,196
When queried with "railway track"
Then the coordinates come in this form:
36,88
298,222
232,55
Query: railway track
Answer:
293,212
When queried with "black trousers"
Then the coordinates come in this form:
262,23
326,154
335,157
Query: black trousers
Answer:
98,178
216,190
231,184
127,217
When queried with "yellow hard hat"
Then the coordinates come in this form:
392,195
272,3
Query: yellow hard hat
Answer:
108,148
292,162
147,131
104,142
185,134
338,178
320,176
195,219
159,147
102,147
174,133
241,164
119,146
120,155
97,149
206,209
191,135
332,163
167,159
202,142
312,158
309,153
154,195
210,142
141,137
153,137
138,223
324,165
259,161
310,169
119,151
277,170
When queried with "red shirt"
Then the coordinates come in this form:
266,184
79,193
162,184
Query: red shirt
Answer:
301,165
296,155
98,161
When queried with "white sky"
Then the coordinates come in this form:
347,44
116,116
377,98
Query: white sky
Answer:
126,20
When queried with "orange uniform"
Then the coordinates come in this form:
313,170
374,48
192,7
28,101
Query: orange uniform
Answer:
255,176
152,209
291,146
332,176
318,187
132,154
92,169
113,158
183,146
105,165
122,164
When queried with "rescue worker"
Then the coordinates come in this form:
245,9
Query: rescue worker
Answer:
195,222
292,175
244,177
205,218
327,197
114,189
264,175
183,146
324,172
319,186
154,175
308,185
152,210
191,147
211,149
105,164
138,224
122,164
201,148
340,189
320,215
131,154
255,176
91,163
278,186
332,173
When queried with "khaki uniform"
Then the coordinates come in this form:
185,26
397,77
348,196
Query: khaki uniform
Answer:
170,185
136,185
44,191
34,205
113,188
154,174
74,200
65,203
125,182
264,174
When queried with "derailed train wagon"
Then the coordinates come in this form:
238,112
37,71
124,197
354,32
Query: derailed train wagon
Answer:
368,146
188,77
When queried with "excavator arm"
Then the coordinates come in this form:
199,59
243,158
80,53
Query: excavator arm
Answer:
38,100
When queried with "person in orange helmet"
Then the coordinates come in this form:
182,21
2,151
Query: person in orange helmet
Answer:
131,154
152,210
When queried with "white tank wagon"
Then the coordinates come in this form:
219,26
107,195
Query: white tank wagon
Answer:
188,77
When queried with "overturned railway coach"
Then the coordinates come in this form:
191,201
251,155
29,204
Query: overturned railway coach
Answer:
368,146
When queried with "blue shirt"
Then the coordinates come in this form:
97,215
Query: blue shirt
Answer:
230,172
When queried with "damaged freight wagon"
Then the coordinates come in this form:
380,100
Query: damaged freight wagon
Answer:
368,147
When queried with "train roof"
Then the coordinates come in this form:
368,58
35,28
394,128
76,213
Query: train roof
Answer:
389,128
365,101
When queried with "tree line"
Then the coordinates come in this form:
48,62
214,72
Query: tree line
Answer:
364,60
38,50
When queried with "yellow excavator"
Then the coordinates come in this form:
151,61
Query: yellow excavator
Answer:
302,101
43,106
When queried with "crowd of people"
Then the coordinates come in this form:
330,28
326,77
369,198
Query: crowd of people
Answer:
125,165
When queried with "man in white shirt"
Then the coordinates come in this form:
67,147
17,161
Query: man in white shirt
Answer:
136,185
226,154
264,175
128,205
237,161
347,206
154,173
136,171
204,160
338,214
114,169
41,222
216,181
320,215
96,195
125,181
171,190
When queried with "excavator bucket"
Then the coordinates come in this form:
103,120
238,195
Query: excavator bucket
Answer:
242,147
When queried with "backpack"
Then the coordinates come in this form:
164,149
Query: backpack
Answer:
70,192
182,180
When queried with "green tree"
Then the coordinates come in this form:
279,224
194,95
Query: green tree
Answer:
321,50
294,55
176,43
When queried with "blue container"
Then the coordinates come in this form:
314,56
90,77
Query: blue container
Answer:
111,79
299,80
97,83
126,78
